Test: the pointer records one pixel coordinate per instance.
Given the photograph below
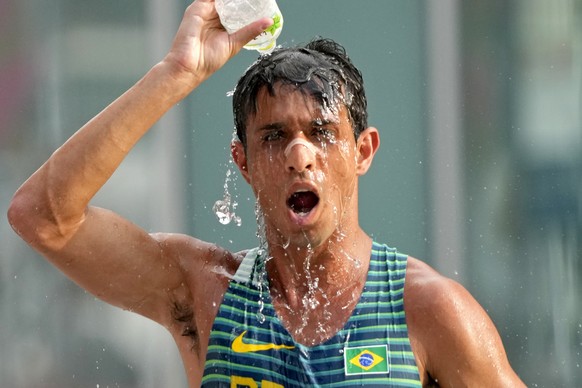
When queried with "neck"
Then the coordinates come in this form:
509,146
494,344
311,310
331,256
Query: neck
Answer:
314,290
333,268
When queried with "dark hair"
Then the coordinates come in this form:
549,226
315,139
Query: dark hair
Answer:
320,68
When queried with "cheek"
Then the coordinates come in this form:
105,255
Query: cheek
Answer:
264,174
341,174
263,162
343,162
265,195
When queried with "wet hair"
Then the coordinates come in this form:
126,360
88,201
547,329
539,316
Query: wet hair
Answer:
321,68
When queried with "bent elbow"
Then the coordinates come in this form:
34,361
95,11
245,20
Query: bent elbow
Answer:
35,224
21,217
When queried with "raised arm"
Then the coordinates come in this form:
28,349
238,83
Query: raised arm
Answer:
105,254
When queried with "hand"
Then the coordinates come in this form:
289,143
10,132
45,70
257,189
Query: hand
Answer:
202,45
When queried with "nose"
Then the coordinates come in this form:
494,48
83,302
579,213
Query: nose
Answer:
300,155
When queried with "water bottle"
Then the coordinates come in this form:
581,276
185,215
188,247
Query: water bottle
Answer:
235,14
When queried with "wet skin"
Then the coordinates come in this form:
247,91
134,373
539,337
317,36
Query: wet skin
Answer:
330,173
303,163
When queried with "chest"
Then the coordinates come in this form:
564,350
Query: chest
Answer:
250,341
315,318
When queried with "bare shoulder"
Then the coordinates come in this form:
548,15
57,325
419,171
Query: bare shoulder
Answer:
203,270
437,305
191,303
454,340
191,253
202,264
431,292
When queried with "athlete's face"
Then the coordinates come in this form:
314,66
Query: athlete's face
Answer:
302,162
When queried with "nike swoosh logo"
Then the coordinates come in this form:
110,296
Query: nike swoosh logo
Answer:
239,346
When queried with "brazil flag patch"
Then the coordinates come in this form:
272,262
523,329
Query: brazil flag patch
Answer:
366,360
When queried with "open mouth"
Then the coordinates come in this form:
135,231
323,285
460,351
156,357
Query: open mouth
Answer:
302,202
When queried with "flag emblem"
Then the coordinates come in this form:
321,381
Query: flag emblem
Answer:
366,360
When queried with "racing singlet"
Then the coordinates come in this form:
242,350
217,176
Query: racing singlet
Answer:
250,348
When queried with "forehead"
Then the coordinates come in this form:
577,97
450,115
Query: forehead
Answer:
292,103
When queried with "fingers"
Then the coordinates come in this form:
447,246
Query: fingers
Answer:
248,33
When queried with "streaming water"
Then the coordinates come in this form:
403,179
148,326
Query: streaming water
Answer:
261,279
225,208
262,258
310,301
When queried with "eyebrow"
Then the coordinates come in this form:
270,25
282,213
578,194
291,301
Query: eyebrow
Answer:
271,126
318,122
314,123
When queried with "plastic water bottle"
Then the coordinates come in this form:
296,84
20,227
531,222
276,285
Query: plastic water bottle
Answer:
235,14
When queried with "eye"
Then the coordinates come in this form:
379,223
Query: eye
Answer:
324,134
273,136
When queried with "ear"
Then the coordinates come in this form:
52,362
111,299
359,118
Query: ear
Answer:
240,158
368,144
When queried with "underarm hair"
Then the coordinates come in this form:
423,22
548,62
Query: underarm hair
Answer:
184,315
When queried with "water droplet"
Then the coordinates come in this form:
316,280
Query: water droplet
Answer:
225,208
287,243
223,212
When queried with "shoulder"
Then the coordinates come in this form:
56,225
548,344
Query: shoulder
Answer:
195,255
439,305
428,290
453,338
205,269
192,302
435,306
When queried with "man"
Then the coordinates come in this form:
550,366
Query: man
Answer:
318,303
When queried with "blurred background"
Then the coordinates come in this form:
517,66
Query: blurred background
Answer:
479,173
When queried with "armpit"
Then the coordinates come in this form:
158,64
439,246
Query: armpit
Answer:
183,316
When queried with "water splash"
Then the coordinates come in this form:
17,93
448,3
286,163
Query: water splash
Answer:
310,301
261,279
262,258
225,208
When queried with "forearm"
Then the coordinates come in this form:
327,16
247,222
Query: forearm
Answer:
54,198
